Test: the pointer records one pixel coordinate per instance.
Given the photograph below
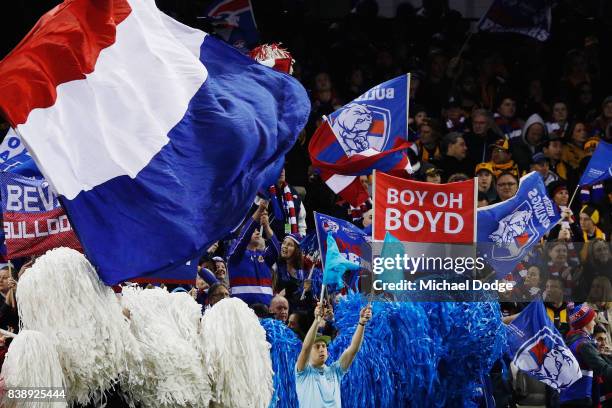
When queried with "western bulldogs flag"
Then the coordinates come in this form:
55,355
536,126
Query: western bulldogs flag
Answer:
352,242
156,135
33,220
531,18
509,229
234,22
368,133
600,165
539,349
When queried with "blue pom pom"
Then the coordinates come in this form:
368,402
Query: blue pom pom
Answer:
412,351
284,353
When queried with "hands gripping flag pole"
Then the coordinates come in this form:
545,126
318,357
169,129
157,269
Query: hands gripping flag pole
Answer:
147,185
353,241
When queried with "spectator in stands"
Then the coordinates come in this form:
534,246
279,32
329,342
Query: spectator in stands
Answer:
568,229
505,119
5,275
429,142
298,322
559,265
456,177
598,261
600,300
602,338
318,385
433,175
287,208
559,123
589,220
250,261
531,287
290,272
553,149
539,163
523,148
324,97
501,159
603,122
580,393
483,201
506,186
454,155
555,306
484,172
220,269
454,115
204,279
573,150
484,133
605,213
279,307
217,292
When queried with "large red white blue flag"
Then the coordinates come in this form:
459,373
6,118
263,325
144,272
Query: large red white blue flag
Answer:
156,136
367,134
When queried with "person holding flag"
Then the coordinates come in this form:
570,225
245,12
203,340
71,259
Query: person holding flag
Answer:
317,384
584,391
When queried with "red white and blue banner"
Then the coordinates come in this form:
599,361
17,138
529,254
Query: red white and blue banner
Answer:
531,18
33,219
156,135
368,133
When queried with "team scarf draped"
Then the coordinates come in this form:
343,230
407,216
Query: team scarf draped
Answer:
289,205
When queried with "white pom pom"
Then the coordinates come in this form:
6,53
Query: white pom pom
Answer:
237,355
174,373
62,297
32,361
187,313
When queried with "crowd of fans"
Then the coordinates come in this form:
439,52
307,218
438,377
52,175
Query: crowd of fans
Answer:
500,108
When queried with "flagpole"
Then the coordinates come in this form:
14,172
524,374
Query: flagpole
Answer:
573,196
321,252
408,105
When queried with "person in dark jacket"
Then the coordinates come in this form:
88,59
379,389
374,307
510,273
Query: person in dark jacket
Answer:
585,391
454,156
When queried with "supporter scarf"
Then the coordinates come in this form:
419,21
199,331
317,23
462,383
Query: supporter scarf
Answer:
289,205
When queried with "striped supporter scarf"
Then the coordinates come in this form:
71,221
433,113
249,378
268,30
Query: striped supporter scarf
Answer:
289,205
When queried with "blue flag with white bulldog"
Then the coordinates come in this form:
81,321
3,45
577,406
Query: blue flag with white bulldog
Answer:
368,133
539,350
508,230
600,165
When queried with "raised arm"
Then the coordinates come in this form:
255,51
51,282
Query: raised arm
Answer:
247,230
304,355
349,354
